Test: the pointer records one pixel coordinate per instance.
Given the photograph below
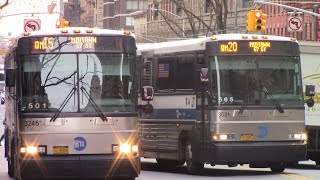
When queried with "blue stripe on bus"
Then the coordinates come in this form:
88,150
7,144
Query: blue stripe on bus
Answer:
171,114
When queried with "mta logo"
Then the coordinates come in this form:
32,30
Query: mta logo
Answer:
80,143
262,131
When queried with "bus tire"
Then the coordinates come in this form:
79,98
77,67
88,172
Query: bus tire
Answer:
318,163
277,168
169,163
11,164
193,167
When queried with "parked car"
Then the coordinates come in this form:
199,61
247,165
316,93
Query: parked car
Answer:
2,98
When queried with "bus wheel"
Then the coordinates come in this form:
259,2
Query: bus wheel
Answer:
11,162
318,163
277,168
193,167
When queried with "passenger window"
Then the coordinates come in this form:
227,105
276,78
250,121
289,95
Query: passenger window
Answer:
185,72
166,74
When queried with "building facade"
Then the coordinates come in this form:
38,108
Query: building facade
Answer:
116,13
279,20
80,13
86,17
98,14
170,20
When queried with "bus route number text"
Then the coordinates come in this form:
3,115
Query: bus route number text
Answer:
229,47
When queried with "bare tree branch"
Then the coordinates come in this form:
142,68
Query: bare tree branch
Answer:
192,14
5,4
168,20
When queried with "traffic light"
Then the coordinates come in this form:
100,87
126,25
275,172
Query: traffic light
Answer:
251,21
256,20
62,23
260,21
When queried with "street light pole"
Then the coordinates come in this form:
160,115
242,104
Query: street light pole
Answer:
288,7
180,17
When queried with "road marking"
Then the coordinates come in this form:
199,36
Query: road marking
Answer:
287,175
295,176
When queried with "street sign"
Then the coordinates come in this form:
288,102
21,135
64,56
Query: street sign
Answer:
294,23
32,25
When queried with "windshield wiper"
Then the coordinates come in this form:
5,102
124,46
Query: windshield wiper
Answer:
272,99
95,106
251,88
64,103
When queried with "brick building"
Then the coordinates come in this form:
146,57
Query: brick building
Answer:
153,26
278,20
116,13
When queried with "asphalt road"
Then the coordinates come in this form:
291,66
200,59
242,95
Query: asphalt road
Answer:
306,170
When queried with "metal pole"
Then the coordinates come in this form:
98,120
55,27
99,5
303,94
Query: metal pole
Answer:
236,15
289,7
183,33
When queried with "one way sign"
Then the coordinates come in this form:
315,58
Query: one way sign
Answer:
31,25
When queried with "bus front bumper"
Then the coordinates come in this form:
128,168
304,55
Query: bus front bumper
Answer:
81,166
252,152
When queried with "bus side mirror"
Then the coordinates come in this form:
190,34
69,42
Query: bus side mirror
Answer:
310,90
10,77
147,93
204,76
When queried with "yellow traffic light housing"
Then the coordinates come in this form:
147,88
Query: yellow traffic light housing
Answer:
256,20
260,21
251,21
62,23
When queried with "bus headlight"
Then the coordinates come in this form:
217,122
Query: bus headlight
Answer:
125,148
33,150
223,137
298,136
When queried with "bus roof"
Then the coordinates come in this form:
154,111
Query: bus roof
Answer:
198,44
71,31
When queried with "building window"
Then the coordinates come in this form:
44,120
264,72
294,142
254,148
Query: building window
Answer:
129,21
155,12
179,11
247,3
207,6
136,4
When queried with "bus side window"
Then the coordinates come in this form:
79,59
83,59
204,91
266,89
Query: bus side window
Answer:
185,72
165,73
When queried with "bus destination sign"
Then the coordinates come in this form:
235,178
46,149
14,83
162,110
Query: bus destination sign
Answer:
253,46
48,43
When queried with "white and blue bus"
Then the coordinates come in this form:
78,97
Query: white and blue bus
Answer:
71,102
229,99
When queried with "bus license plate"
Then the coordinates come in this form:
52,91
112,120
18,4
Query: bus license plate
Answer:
246,137
60,150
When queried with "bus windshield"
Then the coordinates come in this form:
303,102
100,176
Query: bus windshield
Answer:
255,80
79,81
